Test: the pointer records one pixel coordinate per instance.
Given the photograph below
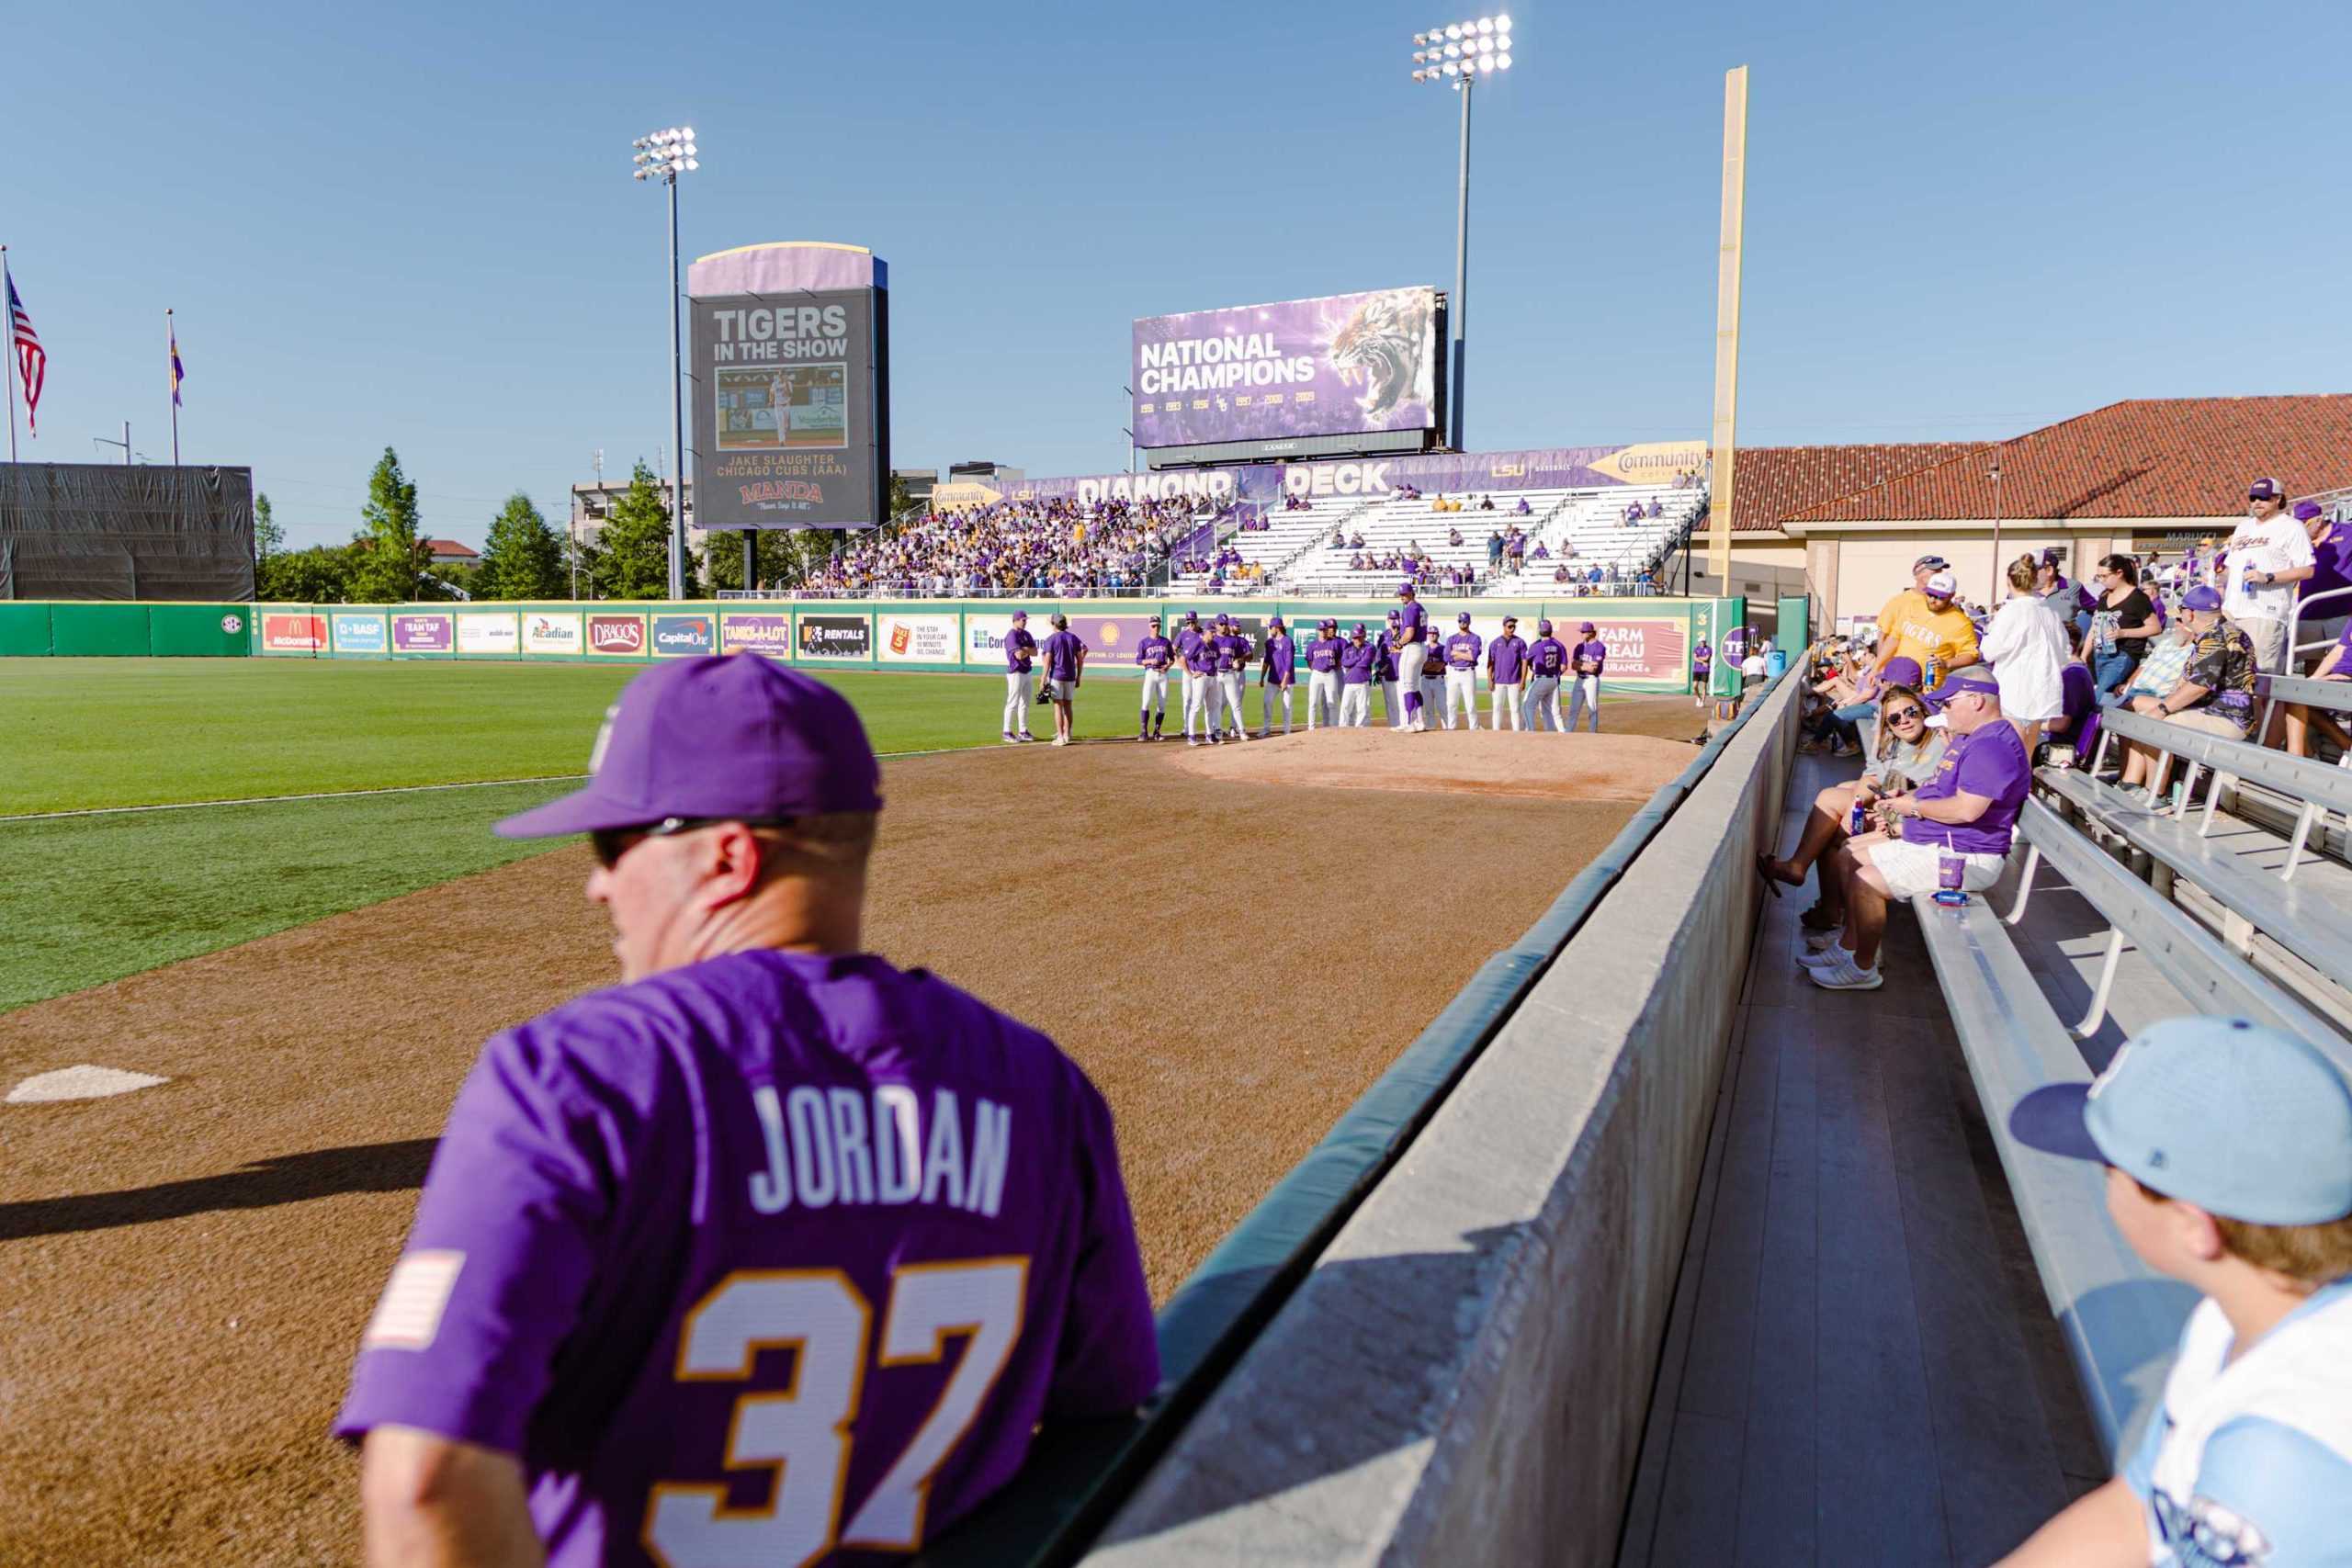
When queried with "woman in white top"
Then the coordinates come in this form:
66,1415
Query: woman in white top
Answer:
2027,646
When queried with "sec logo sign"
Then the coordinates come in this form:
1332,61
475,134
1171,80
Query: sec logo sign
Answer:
233,624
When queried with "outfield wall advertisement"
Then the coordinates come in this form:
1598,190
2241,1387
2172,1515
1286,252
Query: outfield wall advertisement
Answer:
1649,640
1332,365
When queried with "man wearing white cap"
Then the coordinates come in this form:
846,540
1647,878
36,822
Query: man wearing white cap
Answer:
2228,1149
2268,555
1922,624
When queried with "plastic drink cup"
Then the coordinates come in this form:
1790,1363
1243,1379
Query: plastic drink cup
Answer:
1951,870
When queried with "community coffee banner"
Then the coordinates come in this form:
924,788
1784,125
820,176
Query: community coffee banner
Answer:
1332,365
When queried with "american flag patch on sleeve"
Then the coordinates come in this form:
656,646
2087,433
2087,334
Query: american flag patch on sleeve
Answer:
409,1313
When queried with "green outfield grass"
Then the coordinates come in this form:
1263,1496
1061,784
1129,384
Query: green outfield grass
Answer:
88,899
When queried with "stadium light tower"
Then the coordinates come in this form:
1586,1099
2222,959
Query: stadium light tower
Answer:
664,156
1460,53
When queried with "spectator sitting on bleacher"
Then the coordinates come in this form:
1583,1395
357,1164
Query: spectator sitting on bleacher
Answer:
1560,574
1453,536
2215,695
1524,508
1968,811
1654,509
2331,573
2336,664
1485,503
2228,1151
1438,504
2078,702
1356,543
1907,755
1543,552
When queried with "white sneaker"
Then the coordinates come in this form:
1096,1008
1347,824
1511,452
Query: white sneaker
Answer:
1821,957
1821,941
1847,976
1061,740
1008,740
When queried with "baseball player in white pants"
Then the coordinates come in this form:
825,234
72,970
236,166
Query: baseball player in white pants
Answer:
1323,676
1587,659
1546,658
1358,661
1506,673
1276,673
1355,705
1020,648
1232,669
1412,638
1462,673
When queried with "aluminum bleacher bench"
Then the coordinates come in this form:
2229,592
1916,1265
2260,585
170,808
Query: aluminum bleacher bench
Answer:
2120,1319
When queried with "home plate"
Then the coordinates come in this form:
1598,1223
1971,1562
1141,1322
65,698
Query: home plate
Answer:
81,1082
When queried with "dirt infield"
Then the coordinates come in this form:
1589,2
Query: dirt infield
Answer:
1539,767
183,1271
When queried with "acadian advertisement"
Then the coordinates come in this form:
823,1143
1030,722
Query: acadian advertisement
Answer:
916,639
836,637
1325,366
360,634
785,419
551,631
490,632
742,631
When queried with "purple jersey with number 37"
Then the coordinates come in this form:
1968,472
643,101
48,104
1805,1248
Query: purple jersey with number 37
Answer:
772,1258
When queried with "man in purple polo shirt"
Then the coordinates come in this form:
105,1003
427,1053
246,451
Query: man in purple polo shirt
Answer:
1323,675
1019,648
1358,659
1462,651
1967,812
1412,654
770,1251
1200,689
1232,671
1587,661
1277,674
1154,653
1064,668
1547,661
1506,673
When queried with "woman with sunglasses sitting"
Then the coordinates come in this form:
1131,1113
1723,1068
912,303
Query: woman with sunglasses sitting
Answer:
1906,756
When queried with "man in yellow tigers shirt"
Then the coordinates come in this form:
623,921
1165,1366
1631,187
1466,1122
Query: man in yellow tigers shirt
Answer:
1923,624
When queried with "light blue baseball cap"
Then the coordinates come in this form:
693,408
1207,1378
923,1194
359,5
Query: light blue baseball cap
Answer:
2238,1119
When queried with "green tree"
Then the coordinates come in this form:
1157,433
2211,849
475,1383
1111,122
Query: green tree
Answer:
320,575
901,500
633,546
391,557
521,558
269,539
775,559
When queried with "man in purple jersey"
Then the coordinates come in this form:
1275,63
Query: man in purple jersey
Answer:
1188,641
1323,675
1277,674
771,1252
1383,670
1019,648
1200,691
1506,673
1065,668
1412,655
1358,660
1587,662
1462,651
1154,653
1232,670
1547,661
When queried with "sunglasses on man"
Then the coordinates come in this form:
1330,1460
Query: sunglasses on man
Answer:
610,843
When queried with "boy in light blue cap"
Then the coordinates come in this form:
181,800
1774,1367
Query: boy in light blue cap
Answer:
2228,1149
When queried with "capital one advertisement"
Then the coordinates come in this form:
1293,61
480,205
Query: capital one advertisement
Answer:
1332,365
791,411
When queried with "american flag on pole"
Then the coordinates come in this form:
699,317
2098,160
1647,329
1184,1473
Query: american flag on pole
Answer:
32,363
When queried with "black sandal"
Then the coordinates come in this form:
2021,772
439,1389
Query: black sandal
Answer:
1771,883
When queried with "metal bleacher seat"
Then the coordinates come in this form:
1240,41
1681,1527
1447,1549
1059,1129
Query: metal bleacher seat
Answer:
2118,1319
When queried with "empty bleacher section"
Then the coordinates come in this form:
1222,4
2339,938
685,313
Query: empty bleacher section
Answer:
1253,559
1581,530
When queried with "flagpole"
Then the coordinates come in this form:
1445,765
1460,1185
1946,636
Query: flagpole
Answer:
8,371
171,374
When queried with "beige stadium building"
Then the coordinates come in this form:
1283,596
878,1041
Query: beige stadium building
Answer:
1843,523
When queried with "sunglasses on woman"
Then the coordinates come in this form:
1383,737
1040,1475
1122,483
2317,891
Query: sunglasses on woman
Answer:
610,843
1896,715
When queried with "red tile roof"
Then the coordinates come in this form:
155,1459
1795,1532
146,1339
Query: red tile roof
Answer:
2146,457
1774,482
449,550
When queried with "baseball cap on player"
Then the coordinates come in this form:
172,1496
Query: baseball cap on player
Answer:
1587,627
723,739
1020,617
1396,618
1543,628
1224,620
2263,490
1510,620
2240,1120
1274,623
1362,630
1404,591
1463,619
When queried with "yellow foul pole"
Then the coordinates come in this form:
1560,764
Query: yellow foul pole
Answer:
1725,452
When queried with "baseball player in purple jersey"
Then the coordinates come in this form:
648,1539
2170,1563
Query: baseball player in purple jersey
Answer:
1019,648
1065,668
771,1253
1277,674
1154,653
1547,660
1200,691
1358,660
1412,655
1587,660
1232,669
1462,673
1385,671
1432,682
1188,639
1506,673
1323,675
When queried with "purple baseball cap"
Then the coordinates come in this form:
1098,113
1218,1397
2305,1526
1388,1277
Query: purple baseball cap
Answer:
1463,619
1396,618
2306,510
2263,490
2204,596
1404,591
1900,671
728,738
1969,680
1543,628
1587,627
1362,630
1021,616
1274,623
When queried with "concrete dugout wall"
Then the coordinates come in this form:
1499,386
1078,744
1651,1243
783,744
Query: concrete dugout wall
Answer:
1464,1376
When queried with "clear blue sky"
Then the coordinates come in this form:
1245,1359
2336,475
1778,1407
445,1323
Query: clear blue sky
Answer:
414,225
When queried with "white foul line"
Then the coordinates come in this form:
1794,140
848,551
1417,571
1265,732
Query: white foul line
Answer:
350,794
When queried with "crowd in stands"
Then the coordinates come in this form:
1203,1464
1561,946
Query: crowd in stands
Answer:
1036,546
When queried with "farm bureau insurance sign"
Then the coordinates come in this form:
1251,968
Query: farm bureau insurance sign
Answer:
836,636
1325,366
